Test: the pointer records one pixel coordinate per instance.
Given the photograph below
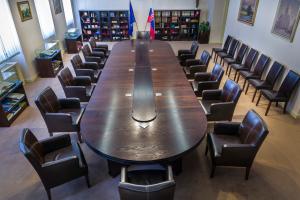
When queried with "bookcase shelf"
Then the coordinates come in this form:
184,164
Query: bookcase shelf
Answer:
105,25
177,24
13,101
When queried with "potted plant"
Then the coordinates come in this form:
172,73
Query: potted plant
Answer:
204,33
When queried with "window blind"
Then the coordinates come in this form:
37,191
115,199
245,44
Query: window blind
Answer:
45,18
68,12
9,40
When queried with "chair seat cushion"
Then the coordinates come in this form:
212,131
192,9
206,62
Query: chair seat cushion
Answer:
206,105
217,50
222,54
230,60
217,141
239,67
274,96
59,154
90,90
76,114
146,177
249,75
260,84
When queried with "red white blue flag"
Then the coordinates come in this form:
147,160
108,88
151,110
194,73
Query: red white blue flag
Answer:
152,24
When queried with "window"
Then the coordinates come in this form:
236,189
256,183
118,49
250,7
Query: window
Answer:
9,40
45,18
68,12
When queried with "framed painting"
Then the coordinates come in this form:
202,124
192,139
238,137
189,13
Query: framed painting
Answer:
286,19
24,10
247,12
57,6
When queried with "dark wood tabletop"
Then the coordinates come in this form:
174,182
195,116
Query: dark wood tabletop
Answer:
107,125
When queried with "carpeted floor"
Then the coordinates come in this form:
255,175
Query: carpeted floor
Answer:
275,173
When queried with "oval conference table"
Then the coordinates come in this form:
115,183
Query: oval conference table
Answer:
108,126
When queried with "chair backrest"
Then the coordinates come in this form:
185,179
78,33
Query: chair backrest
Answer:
47,102
194,48
241,54
76,61
86,50
261,64
205,58
227,43
251,57
253,130
31,148
217,73
289,84
66,78
231,92
194,45
92,42
274,73
233,47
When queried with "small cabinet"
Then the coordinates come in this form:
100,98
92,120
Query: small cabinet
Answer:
49,66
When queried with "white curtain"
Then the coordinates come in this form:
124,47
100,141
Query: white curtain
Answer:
9,40
68,12
45,18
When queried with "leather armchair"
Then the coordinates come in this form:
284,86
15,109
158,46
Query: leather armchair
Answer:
197,65
283,94
60,115
147,184
231,52
99,47
224,49
251,57
57,160
184,55
219,105
80,87
236,144
93,56
238,59
91,69
208,81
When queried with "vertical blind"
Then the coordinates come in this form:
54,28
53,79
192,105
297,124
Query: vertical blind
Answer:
9,40
68,12
45,18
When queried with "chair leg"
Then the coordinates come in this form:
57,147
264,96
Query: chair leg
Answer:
258,100
88,181
206,150
248,85
238,78
48,194
285,106
267,111
254,94
244,85
213,169
276,103
227,69
247,172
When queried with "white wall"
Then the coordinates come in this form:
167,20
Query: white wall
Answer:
260,37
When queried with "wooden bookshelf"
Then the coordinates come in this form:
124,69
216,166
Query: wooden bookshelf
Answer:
177,24
73,44
49,66
104,25
13,101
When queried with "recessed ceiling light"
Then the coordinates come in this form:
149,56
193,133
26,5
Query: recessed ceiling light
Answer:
128,95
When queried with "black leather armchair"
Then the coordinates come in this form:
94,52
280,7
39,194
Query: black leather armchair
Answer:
224,49
236,144
91,69
219,105
57,160
283,94
60,115
231,52
238,59
184,55
147,184
208,81
80,87
99,47
93,56
197,65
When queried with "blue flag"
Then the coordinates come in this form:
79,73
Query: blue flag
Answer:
131,20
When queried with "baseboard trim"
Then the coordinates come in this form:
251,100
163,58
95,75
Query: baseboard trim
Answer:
32,79
295,115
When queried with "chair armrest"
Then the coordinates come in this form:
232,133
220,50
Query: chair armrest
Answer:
190,62
240,152
82,81
56,142
207,85
229,128
211,94
187,56
85,72
53,119
184,51
90,65
98,54
76,91
102,46
198,68
201,76
93,59
60,167
99,49
69,103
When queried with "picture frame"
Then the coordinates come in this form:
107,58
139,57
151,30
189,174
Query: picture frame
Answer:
286,19
57,6
24,10
247,11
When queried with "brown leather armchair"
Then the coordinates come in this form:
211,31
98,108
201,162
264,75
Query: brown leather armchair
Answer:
60,115
184,55
236,144
99,47
93,56
231,52
224,49
147,184
238,59
80,87
219,105
208,81
57,160
197,65
91,69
